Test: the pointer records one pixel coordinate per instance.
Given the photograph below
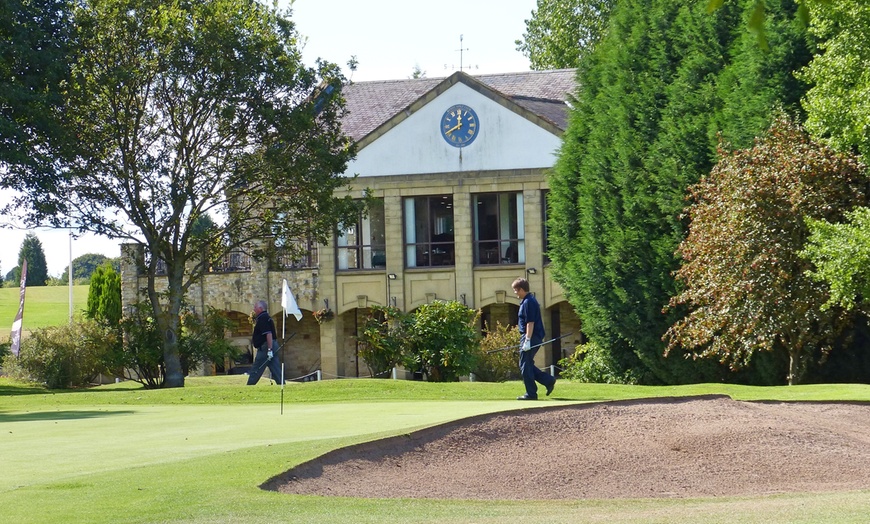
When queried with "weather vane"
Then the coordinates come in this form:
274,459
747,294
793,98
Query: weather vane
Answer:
461,57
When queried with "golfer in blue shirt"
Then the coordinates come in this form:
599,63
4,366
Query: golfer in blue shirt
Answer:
531,328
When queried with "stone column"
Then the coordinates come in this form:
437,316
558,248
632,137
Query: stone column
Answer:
132,258
395,251
463,240
330,355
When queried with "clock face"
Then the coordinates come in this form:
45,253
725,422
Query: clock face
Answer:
459,125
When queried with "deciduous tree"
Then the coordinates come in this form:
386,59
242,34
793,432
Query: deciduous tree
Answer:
838,105
840,253
36,37
84,266
746,286
561,32
184,109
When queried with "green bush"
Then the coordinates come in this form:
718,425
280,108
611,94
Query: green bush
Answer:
5,350
65,356
495,363
140,357
591,363
439,339
442,341
382,339
203,338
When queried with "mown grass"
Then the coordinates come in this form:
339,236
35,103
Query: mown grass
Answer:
43,306
119,453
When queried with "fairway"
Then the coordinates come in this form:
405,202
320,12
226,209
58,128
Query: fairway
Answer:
118,453
43,306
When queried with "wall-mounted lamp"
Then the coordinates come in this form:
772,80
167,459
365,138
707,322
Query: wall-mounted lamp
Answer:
532,271
462,298
392,276
326,303
393,300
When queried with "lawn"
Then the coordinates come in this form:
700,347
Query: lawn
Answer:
43,306
118,453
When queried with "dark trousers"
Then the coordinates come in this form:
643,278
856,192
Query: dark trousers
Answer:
532,374
261,361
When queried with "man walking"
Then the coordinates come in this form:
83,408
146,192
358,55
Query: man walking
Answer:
265,342
531,328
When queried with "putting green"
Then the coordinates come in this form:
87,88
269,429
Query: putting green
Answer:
77,442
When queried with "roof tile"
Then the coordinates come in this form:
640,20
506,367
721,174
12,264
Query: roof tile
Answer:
370,104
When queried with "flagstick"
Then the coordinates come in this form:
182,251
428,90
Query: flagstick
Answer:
282,388
284,324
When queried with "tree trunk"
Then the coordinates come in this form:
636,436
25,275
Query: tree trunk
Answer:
174,374
169,320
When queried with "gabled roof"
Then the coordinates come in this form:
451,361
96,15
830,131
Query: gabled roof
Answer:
372,104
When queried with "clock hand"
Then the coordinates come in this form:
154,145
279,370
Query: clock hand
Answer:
454,128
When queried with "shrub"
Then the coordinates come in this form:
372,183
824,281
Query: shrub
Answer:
495,363
63,356
5,350
439,339
140,357
442,341
591,363
382,339
202,338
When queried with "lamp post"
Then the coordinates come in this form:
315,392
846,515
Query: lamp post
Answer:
69,278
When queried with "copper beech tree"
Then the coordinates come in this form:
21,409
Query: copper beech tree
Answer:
746,288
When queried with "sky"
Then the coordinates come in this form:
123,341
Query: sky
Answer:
389,38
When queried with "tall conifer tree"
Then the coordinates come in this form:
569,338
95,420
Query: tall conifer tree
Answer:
37,267
666,79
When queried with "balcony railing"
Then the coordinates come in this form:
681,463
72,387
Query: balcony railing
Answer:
306,256
234,261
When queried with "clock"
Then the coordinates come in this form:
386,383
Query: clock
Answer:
459,125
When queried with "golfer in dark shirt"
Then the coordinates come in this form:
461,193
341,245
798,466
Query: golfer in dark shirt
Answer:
265,342
531,328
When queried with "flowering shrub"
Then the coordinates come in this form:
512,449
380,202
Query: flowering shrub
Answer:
323,315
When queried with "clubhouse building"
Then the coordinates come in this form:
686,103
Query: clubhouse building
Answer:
458,167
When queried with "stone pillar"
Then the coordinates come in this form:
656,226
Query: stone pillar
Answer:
132,258
395,251
330,354
326,297
463,240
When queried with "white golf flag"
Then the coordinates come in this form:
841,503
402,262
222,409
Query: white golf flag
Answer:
289,303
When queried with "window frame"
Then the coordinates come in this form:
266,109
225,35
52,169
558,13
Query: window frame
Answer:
435,253
499,247
367,253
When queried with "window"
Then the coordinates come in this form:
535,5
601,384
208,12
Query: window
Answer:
429,231
362,245
498,229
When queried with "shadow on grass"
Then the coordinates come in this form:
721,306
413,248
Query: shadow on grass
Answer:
21,390
59,415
